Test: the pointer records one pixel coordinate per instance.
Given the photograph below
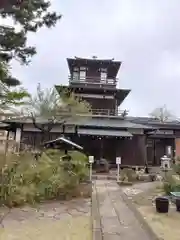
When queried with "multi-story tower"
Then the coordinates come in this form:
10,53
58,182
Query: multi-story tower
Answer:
95,81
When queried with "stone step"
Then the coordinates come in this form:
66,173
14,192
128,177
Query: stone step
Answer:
103,177
154,169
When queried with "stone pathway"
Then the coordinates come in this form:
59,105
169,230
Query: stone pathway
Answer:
69,220
113,220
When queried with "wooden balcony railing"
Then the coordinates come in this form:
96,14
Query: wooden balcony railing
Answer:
110,112
93,80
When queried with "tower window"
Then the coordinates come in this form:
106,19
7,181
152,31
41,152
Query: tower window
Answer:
103,76
82,73
75,74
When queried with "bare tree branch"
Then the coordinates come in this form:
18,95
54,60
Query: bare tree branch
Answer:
46,127
162,114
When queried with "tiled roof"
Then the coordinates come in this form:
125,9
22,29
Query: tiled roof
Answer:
103,132
104,122
155,122
108,122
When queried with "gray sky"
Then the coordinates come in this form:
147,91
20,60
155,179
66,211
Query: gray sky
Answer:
143,34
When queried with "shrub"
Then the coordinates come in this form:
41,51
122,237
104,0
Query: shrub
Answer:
128,174
171,185
177,159
24,179
55,153
80,165
176,168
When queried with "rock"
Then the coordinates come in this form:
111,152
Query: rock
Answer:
144,177
132,191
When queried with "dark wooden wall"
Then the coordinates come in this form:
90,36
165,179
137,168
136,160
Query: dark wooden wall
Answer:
177,133
133,152
156,148
35,139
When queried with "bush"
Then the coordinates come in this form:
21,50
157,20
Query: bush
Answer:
171,185
26,180
176,168
80,165
177,159
128,174
55,154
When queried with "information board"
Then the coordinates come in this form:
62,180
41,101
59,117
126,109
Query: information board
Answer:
118,160
91,159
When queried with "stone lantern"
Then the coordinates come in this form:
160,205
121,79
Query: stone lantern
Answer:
165,163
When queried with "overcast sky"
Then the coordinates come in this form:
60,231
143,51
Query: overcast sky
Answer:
143,34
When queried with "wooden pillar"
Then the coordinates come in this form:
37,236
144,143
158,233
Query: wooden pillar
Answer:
102,147
6,143
145,149
10,140
142,150
18,139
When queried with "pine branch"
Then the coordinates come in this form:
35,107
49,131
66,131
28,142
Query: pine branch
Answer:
30,15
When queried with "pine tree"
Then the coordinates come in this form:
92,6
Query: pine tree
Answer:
29,15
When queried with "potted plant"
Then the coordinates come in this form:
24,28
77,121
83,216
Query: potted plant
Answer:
162,204
178,204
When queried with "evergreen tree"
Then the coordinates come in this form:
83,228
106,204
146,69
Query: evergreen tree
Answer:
29,16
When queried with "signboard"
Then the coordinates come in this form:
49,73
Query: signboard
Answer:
118,160
91,159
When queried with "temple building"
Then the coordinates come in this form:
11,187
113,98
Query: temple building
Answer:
109,132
